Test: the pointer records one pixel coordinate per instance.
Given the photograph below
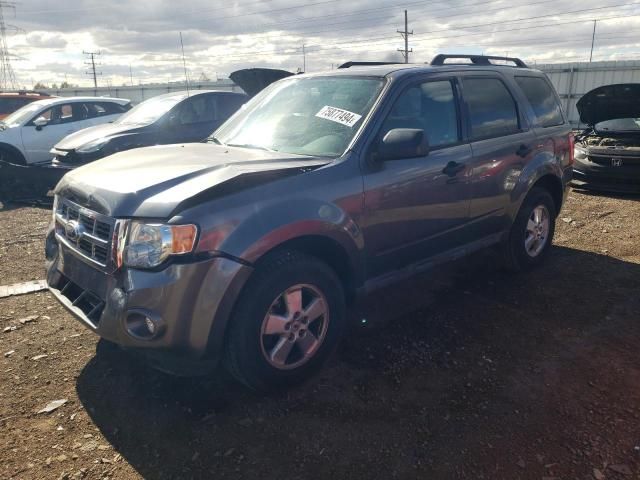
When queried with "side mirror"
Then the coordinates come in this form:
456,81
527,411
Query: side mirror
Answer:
40,122
402,143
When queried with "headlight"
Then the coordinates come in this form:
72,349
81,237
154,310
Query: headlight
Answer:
580,153
148,245
93,146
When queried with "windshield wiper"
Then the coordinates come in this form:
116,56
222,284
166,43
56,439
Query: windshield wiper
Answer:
213,139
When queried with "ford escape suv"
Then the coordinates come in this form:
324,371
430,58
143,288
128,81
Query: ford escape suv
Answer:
249,247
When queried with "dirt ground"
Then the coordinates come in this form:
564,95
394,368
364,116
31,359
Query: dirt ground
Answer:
466,372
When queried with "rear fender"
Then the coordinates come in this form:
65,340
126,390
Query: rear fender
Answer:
543,164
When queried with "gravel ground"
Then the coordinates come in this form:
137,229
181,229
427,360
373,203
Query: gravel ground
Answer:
467,372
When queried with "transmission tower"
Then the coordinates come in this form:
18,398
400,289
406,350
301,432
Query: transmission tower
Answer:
7,77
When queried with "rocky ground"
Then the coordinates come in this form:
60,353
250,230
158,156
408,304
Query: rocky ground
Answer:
467,372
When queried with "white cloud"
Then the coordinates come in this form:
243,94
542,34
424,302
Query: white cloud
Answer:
222,37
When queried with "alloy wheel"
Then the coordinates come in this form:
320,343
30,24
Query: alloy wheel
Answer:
294,327
537,233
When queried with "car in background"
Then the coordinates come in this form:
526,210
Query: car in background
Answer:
27,135
607,153
179,117
12,101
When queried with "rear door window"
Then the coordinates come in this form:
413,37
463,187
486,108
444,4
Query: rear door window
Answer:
542,99
197,109
492,109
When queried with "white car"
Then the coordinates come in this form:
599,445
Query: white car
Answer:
29,133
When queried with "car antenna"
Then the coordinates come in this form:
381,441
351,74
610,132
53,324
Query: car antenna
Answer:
184,63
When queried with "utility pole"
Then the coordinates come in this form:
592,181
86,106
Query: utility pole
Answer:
593,40
131,75
405,34
184,64
7,76
92,66
304,59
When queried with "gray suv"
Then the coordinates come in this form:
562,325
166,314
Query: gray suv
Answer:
248,248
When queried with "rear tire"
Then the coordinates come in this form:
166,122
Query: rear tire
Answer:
532,231
287,321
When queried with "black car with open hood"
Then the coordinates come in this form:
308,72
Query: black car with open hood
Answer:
607,152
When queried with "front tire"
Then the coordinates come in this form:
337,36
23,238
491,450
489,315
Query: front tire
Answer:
286,323
532,231
8,156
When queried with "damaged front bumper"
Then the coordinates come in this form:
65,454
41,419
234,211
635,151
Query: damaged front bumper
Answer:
189,304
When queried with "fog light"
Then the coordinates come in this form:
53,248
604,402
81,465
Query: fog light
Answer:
143,325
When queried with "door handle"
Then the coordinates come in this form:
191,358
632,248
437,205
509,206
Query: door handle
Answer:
523,150
453,168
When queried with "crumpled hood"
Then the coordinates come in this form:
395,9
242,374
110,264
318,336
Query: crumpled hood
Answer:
155,181
82,137
610,102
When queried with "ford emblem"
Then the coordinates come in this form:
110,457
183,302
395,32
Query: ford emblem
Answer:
74,230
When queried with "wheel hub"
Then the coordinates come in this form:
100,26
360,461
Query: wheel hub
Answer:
294,327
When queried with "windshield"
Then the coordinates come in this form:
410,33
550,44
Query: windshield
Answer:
619,125
22,114
307,116
149,111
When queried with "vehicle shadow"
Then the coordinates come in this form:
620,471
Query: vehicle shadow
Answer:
392,397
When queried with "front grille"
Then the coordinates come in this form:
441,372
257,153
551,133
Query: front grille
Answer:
607,160
87,232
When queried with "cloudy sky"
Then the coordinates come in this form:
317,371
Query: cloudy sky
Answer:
222,36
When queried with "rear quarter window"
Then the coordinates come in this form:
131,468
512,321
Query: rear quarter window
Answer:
492,109
542,99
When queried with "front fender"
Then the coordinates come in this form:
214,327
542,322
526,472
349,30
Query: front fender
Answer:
273,226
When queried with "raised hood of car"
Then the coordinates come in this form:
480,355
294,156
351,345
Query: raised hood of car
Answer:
253,80
610,102
78,139
154,182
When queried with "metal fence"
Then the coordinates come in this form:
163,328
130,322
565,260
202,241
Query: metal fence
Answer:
138,93
572,80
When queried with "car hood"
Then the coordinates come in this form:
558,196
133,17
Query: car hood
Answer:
82,137
158,182
610,102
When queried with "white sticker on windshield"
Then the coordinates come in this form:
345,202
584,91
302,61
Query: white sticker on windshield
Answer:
345,117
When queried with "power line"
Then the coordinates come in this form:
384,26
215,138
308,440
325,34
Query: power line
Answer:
387,40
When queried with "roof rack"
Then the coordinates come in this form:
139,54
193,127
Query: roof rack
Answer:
365,64
476,59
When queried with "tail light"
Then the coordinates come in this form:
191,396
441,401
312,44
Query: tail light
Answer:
572,146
